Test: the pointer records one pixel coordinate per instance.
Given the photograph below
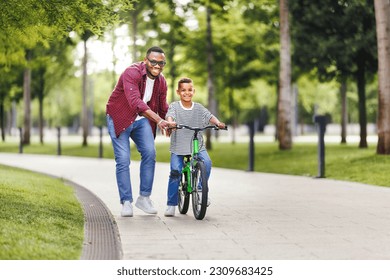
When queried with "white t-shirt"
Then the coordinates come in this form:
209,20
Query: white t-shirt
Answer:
148,93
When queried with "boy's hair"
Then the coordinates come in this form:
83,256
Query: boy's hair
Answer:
154,49
184,81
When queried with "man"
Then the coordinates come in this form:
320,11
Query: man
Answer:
135,108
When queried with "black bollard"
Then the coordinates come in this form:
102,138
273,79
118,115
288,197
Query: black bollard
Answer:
251,126
58,141
321,122
21,141
100,142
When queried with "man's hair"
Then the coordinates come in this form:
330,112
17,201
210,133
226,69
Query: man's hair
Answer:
184,81
154,49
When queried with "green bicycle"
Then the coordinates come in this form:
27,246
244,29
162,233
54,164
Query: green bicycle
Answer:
194,179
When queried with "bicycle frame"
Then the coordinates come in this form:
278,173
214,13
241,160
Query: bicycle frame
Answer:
190,162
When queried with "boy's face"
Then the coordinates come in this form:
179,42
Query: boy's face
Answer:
186,91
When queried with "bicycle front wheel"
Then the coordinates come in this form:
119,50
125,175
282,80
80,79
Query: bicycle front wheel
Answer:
200,191
184,196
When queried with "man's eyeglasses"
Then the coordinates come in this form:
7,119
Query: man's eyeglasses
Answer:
154,62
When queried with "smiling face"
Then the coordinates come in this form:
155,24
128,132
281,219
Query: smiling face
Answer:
186,91
155,63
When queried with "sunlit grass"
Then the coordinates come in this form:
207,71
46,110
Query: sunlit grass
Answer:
40,217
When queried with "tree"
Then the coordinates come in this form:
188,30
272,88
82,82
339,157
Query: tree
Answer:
325,39
246,56
246,48
212,102
39,22
8,79
284,99
84,115
170,30
28,22
382,14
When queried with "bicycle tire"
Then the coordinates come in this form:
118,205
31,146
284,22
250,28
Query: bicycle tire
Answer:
184,196
199,197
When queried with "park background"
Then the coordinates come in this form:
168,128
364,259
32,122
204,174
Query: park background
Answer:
253,63
266,67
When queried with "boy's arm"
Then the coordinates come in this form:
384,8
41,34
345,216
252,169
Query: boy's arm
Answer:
215,121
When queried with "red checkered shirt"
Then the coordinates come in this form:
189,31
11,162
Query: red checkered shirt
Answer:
125,102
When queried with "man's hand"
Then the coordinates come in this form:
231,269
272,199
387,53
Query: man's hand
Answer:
164,126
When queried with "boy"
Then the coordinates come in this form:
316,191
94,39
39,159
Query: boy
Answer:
189,113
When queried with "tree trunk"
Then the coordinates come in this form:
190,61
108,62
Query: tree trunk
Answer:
134,25
344,111
27,101
41,119
232,107
284,103
212,104
382,15
294,110
114,58
85,92
2,117
172,69
361,84
40,100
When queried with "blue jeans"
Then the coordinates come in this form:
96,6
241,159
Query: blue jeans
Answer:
177,163
141,133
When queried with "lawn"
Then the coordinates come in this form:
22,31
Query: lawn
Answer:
40,217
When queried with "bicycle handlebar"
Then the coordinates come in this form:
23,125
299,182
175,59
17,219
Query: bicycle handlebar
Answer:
180,126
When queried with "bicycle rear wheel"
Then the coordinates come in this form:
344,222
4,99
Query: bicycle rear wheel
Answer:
184,196
200,191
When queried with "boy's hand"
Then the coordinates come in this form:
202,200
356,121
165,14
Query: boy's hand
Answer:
221,125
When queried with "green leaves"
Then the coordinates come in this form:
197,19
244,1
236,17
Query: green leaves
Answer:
30,22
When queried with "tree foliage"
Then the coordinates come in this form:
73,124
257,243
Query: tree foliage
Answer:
25,24
331,39
325,39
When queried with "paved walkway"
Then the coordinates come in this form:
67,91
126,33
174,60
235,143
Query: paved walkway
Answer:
252,215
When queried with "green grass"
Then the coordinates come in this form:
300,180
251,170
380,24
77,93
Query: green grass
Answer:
40,217
342,162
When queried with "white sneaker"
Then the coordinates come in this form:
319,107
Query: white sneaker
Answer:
145,204
170,212
127,209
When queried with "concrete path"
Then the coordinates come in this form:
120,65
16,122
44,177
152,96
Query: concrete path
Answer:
252,215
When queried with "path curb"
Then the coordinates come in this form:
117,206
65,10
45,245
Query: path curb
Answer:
101,234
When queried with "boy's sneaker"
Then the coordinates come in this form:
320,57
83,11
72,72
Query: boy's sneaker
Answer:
145,204
127,209
170,212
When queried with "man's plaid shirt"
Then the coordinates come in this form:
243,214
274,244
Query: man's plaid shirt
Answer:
125,102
